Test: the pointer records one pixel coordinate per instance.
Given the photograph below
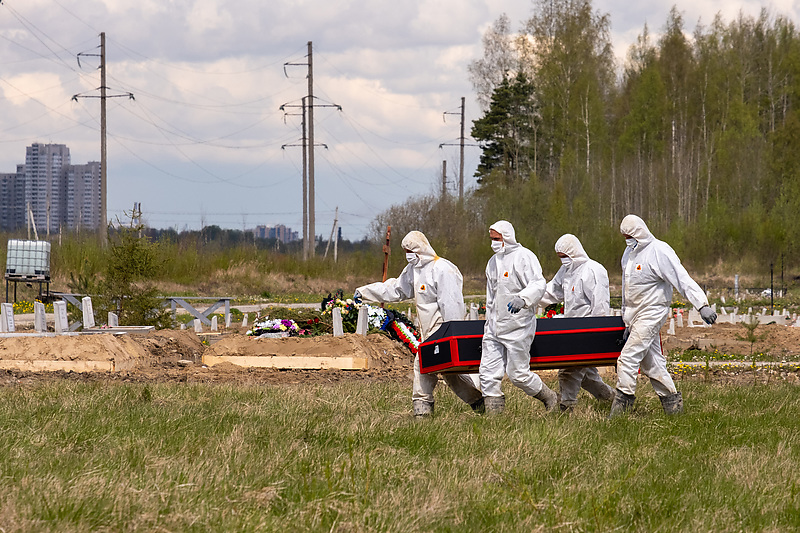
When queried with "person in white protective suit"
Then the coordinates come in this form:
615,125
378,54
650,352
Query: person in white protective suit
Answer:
436,285
650,270
514,285
582,284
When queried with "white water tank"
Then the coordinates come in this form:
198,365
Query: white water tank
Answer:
28,259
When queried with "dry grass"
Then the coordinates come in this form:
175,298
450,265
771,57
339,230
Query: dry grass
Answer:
349,457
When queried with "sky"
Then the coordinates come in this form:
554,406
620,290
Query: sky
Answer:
204,141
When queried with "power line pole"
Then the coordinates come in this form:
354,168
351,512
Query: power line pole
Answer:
444,179
311,195
305,185
461,164
103,151
461,144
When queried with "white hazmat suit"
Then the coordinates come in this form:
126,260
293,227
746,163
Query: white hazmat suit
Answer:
436,285
582,285
650,270
513,272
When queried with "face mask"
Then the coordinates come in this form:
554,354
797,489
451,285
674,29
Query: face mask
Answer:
497,246
630,242
411,257
566,261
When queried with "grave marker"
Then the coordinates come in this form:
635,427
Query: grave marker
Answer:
214,323
198,326
362,323
88,312
39,318
113,320
338,330
61,318
7,317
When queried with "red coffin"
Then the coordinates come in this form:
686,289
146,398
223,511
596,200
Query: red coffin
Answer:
559,343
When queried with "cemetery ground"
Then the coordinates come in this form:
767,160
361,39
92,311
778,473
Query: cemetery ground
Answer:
172,445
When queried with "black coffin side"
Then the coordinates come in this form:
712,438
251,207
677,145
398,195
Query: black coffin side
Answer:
559,343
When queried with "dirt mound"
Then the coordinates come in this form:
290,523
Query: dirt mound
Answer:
118,348
381,352
779,340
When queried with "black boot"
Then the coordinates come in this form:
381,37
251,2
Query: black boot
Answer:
478,406
672,404
622,403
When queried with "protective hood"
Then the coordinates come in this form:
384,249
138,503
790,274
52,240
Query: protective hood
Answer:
504,228
417,242
570,245
636,228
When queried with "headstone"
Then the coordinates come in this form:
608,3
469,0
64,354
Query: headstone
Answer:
671,330
227,321
7,317
338,330
183,326
362,322
88,312
722,298
473,311
714,307
244,321
736,287
680,319
113,320
198,326
61,318
214,323
749,310
39,318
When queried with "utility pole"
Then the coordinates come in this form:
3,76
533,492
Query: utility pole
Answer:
305,184
461,144
103,151
311,202
444,179
309,182
461,164
334,235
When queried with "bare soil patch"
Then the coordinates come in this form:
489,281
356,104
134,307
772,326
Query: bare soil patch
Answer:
176,355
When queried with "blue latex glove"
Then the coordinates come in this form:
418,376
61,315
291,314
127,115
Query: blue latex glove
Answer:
357,297
708,315
516,304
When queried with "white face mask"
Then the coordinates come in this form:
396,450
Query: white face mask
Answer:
630,241
566,261
411,257
497,246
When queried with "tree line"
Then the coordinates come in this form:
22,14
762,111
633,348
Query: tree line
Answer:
698,135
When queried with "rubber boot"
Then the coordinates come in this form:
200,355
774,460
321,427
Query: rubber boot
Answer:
672,404
422,408
599,390
622,403
479,406
548,397
494,405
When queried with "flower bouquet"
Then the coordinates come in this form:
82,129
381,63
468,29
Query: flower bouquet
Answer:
553,310
348,306
276,327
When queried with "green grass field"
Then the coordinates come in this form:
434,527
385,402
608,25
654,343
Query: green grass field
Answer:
349,457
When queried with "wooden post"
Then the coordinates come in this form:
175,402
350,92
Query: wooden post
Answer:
386,251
